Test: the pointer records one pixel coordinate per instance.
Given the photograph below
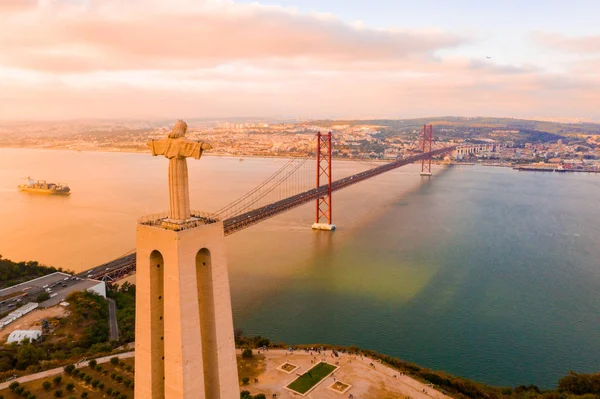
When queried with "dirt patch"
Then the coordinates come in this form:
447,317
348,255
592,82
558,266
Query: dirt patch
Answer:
32,320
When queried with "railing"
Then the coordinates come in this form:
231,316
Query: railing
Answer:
162,220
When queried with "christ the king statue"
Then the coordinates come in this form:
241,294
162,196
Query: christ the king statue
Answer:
177,149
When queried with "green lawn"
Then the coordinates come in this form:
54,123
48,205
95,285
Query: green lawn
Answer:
311,378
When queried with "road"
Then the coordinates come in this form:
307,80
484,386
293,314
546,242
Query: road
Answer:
112,320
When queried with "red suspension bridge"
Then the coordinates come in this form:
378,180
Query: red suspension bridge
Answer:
288,188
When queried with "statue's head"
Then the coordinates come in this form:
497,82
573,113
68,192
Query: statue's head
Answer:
178,130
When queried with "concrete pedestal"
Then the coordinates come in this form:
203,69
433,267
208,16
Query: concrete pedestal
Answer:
184,347
323,226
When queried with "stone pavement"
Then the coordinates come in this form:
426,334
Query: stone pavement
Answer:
377,381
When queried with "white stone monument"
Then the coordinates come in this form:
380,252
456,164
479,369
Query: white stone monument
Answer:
184,344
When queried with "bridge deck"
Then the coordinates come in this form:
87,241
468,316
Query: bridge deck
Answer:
125,266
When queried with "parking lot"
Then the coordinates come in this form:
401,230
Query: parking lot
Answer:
58,285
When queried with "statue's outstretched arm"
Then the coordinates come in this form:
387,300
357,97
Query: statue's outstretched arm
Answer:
206,146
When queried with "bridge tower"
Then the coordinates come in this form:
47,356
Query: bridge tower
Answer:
323,204
426,146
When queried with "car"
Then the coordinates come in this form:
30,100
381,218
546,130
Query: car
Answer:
65,279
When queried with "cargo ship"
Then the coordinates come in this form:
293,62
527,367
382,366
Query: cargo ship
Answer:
42,187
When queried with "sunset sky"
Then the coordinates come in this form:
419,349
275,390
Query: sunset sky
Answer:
64,59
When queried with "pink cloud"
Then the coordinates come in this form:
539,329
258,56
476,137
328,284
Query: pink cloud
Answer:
88,39
190,58
583,44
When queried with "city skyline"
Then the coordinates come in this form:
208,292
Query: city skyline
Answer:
298,58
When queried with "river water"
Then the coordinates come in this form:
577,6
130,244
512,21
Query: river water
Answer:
484,272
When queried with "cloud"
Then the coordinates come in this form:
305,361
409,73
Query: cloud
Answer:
109,36
583,44
16,5
190,58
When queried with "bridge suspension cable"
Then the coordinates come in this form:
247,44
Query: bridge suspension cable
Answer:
290,178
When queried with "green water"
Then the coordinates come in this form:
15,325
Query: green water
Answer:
484,272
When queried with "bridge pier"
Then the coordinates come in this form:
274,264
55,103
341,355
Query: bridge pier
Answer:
323,226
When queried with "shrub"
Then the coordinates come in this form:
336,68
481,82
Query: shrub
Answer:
88,379
99,368
76,372
244,394
116,394
84,395
95,383
46,385
19,390
127,383
69,368
57,380
245,380
114,361
93,363
121,364
70,386
247,353
109,390
119,378
25,393
101,386
260,396
128,368
13,385
81,375
31,396
58,393
122,396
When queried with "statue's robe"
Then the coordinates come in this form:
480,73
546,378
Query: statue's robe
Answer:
177,150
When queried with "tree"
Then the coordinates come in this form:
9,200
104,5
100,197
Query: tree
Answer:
46,385
247,353
13,385
70,386
28,355
57,380
245,380
93,363
69,368
260,396
114,360
58,393
84,395
44,296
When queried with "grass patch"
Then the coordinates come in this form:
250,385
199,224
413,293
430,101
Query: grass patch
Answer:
339,386
288,367
311,378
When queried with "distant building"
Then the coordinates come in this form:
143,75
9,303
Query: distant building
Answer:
19,335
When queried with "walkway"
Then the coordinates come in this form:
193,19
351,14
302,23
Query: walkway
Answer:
112,320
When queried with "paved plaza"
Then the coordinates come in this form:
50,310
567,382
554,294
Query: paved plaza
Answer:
368,378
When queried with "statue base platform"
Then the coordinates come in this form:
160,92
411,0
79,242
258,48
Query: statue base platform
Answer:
323,226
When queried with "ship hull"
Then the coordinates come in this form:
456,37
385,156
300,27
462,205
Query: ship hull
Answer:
43,191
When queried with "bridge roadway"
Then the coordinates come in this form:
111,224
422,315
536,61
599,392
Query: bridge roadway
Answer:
125,266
